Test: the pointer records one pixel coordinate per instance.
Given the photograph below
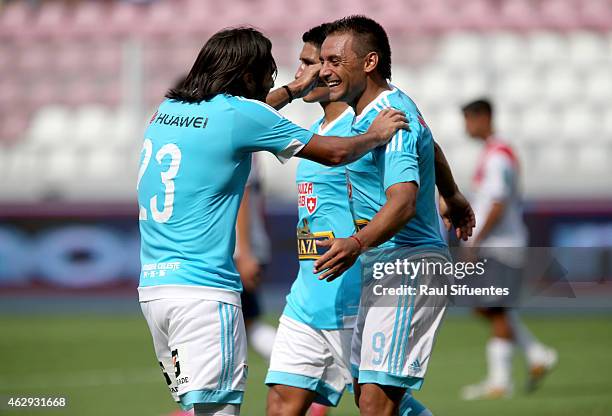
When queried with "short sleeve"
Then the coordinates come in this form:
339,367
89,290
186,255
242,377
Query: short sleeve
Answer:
259,127
499,175
398,161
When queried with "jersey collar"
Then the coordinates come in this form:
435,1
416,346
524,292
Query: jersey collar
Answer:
378,103
324,131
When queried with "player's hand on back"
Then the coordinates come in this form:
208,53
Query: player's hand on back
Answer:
457,213
341,255
386,123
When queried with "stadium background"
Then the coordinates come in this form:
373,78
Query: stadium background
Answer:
80,79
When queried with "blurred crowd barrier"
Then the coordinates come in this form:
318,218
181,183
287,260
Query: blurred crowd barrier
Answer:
79,80
45,251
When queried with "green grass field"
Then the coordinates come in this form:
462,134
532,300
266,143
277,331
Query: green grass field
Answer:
104,365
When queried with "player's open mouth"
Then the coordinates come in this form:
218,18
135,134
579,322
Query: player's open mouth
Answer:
332,84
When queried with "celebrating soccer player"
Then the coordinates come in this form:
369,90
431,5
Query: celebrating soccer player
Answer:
394,206
317,322
310,358
195,161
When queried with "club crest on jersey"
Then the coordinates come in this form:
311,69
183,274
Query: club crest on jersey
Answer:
311,204
306,197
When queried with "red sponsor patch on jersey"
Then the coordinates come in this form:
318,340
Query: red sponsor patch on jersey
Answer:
306,197
305,188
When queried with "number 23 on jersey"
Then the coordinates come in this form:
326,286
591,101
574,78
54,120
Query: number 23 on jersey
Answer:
166,178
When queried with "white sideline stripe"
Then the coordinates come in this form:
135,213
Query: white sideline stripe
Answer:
92,378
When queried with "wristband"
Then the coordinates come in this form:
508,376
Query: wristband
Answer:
354,237
288,92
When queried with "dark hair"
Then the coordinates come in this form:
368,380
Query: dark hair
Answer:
372,38
222,63
316,35
481,106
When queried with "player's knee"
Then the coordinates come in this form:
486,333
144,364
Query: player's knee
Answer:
368,405
279,404
375,401
274,403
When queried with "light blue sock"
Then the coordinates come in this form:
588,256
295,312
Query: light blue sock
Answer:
409,406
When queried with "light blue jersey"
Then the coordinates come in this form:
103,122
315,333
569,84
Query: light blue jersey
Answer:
408,157
194,165
324,212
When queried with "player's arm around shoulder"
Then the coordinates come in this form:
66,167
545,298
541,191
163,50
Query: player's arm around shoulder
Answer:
258,127
334,150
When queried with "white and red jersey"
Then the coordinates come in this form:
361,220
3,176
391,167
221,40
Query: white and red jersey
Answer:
496,179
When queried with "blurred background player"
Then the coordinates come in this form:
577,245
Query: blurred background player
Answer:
499,223
252,255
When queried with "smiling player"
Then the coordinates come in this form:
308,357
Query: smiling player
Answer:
310,359
393,204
